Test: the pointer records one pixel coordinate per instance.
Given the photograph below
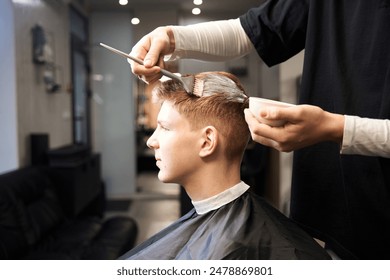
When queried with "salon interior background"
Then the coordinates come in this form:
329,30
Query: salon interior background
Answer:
37,98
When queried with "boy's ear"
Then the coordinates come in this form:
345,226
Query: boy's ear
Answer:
209,141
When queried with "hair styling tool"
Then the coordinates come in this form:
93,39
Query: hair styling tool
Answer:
187,82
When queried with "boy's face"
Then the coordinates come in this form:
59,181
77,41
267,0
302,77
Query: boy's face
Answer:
175,145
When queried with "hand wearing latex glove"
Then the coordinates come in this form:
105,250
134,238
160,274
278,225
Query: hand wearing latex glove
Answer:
151,49
306,125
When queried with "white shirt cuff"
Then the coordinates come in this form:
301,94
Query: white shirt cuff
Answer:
364,136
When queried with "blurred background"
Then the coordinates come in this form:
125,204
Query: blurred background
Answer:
64,95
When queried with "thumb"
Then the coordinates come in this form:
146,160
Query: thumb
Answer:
152,56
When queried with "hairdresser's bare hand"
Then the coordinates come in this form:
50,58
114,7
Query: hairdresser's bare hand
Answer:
151,49
306,125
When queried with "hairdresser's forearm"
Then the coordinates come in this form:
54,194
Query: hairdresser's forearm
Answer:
216,41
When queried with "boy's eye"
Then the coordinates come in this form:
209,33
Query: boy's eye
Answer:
163,127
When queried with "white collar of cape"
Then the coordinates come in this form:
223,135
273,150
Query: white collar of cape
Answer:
221,199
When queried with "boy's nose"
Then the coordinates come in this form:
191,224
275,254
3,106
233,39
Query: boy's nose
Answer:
152,142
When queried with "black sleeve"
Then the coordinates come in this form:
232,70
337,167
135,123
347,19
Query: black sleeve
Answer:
277,28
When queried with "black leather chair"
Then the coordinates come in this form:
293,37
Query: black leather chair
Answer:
34,225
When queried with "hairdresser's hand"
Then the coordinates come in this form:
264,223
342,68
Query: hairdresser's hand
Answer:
151,49
306,125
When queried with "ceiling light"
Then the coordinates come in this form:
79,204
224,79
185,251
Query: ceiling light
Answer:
27,2
135,21
196,11
123,2
198,2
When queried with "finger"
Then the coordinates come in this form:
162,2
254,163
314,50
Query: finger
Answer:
161,62
258,129
289,114
267,142
153,79
140,49
154,53
138,69
149,79
249,117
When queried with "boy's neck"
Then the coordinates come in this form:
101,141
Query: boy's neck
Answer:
212,181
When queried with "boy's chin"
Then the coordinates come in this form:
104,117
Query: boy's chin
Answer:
163,178
166,179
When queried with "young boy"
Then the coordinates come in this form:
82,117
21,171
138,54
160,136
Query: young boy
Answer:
199,143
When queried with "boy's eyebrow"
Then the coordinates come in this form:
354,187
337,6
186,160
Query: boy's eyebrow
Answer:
162,122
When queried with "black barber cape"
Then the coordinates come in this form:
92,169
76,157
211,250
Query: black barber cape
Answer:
245,228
